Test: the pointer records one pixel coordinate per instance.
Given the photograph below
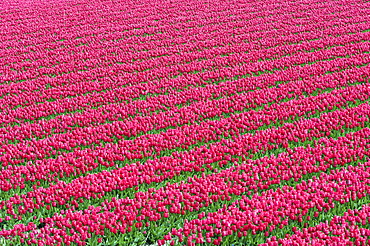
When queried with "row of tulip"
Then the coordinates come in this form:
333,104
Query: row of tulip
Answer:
272,209
51,93
110,110
157,145
350,229
85,187
177,198
135,25
123,129
192,123
68,105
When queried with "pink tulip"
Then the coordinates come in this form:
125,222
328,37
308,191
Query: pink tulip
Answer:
72,103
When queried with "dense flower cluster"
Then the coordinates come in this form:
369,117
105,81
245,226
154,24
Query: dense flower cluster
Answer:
341,229
194,160
184,122
271,209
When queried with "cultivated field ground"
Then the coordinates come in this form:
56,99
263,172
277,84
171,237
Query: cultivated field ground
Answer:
192,122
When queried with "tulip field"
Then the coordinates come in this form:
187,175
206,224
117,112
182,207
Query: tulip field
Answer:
197,122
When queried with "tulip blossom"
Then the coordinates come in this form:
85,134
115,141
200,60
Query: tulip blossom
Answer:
184,122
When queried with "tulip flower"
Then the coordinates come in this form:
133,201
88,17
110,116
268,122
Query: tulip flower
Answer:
194,122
